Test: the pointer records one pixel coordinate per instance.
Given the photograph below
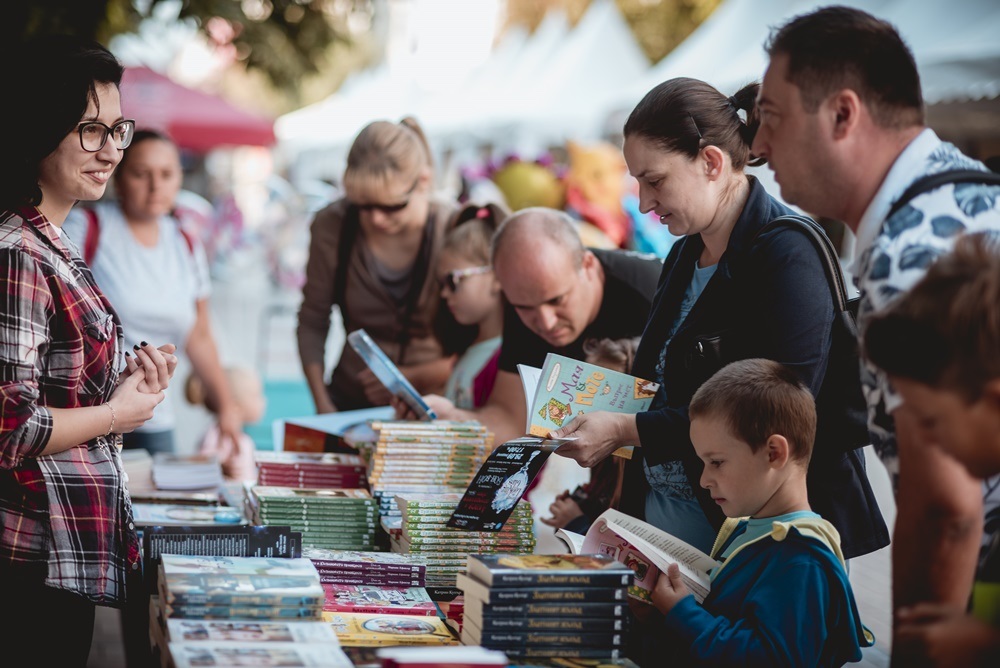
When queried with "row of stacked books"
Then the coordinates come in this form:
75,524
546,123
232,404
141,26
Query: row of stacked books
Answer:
378,599
335,519
546,606
422,531
207,642
425,457
213,610
319,470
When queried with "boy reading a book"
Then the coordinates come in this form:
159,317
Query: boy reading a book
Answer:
781,596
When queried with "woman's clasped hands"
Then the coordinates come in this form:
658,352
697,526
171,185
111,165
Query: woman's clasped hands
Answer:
147,374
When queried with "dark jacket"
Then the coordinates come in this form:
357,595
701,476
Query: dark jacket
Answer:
768,298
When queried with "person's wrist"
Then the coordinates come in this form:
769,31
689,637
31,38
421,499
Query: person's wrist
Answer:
114,417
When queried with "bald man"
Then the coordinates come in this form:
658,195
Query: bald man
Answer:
557,295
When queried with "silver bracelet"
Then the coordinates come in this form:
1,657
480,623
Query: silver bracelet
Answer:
112,427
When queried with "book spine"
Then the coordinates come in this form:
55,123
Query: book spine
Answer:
595,595
603,610
246,612
522,579
498,639
241,600
368,567
562,653
550,624
421,610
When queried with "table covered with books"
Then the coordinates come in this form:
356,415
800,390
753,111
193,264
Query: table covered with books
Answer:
410,546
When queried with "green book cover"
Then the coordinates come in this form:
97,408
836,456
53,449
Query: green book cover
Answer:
565,388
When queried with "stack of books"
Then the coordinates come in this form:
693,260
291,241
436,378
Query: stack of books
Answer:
312,470
196,642
345,567
336,519
238,588
422,531
428,457
546,606
172,471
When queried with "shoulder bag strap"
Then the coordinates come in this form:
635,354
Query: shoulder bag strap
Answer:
831,263
935,181
348,236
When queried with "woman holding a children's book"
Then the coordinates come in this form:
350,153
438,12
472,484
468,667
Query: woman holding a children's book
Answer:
729,290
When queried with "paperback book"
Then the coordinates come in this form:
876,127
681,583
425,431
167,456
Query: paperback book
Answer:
500,483
319,655
383,600
208,630
646,550
558,570
361,629
389,374
565,388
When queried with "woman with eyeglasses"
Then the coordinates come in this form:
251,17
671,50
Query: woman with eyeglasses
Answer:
137,248
67,540
470,322
373,254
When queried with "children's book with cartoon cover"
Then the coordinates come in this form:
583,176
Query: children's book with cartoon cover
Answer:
565,388
362,629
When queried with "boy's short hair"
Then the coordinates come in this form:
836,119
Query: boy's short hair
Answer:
945,332
758,398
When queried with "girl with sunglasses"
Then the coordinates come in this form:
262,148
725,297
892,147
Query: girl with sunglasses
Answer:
372,253
471,319
67,540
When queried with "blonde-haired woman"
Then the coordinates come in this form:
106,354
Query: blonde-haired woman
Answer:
372,253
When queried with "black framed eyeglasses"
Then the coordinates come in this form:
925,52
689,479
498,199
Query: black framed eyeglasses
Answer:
453,279
388,209
94,135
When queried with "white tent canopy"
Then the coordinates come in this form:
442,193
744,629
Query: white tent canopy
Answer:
956,45
533,91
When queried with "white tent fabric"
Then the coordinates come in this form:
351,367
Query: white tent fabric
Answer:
534,90
955,45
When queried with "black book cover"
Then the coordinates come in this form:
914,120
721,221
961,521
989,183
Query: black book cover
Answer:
218,541
500,483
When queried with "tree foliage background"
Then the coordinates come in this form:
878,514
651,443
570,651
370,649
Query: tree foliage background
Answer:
294,52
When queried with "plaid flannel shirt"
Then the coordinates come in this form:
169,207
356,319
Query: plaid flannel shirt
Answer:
60,347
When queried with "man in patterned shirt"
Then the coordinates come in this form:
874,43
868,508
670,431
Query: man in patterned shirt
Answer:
843,129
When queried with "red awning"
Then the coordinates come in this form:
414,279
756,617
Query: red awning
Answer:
197,121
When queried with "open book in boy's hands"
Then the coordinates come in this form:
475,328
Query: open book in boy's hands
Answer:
389,374
646,550
564,388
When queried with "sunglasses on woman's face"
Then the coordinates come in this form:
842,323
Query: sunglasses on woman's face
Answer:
388,209
453,279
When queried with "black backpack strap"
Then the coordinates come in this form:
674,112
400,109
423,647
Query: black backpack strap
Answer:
348,235
831,261
935,181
